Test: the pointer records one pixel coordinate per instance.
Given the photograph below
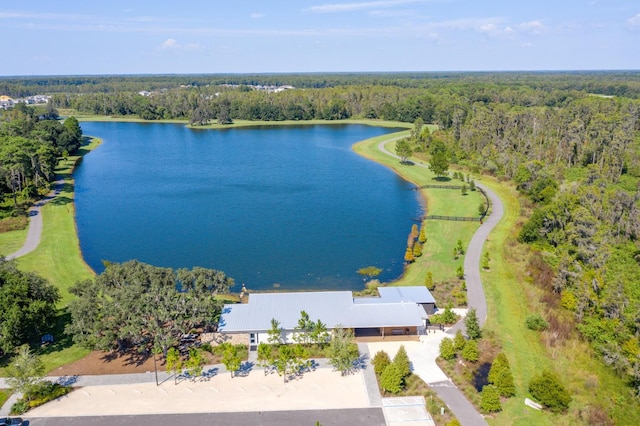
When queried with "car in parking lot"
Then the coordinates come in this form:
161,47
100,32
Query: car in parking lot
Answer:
10,421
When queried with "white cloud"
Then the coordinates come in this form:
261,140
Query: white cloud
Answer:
533,27
351,7
257,15
172,44
634,21
493,30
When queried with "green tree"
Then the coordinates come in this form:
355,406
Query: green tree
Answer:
459,341
460,247
401,359
391,379
485,261
343,353
173,363
428,281
274,334
472,185
408,255
319,333
447,349
380,362
448,316
423,236
470,351
24,372
265,356
303,328
417,250
490,399
439,163
403,150
547,389
231,358
28,305
464,190
194,363
472,325
460,272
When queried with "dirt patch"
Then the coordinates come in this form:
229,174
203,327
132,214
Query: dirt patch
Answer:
99,362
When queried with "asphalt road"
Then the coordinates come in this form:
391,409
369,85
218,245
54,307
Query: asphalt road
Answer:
360,416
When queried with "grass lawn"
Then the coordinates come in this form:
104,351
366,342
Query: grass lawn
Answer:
442,235
11,241
4,395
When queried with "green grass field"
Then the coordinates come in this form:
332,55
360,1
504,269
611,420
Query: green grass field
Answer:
12,241
442,235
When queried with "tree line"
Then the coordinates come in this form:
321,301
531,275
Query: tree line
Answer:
31,141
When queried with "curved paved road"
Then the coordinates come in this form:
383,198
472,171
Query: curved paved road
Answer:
35,222
446,389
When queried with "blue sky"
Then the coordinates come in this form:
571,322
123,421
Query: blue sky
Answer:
187,36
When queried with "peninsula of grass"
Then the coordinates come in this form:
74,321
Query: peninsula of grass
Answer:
442,235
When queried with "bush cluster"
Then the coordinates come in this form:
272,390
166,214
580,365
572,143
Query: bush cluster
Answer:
392,374
547,389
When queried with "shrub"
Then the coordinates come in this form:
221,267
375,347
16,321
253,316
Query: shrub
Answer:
380,362
391,379
472,325
490,399
460,272
447,349
547,389
449,317
402,361
459,341
428,281
470,352
536,322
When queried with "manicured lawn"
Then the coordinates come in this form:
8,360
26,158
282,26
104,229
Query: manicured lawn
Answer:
442,235
58,256
11,241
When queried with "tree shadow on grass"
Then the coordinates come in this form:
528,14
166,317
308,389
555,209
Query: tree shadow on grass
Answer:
442,179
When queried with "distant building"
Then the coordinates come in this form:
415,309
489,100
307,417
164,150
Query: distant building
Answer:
398,311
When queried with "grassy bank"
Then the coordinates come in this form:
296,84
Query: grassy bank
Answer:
510,297
58,257
11,241
442,235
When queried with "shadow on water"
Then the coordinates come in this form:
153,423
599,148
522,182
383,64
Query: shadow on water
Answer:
481,377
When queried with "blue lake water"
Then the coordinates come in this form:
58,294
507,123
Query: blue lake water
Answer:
292,206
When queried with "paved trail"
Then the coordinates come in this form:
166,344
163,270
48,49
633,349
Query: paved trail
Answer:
35,222
446,390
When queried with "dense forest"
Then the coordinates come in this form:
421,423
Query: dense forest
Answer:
570,142
31,142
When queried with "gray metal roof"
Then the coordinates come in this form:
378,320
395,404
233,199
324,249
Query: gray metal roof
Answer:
415,294
331,307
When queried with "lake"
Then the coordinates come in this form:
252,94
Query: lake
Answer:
273,207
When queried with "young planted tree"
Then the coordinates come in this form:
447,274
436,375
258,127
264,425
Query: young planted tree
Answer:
25,372
265,356
472,185
459,247
470,351
464,190
448,316
460,272
343,353
417,250
501,376
274,335
319,333
547,389
173,363
408,255
428,281
403,150
472,325
423,235
485,261
230,358
490,399
302,330
392,379
459,341
195,362
447,349
380,362
402,361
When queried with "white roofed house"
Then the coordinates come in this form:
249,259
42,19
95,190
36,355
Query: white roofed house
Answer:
398,311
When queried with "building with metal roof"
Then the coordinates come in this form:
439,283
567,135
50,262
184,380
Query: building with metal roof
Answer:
394,312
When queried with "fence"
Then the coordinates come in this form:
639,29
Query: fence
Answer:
458,218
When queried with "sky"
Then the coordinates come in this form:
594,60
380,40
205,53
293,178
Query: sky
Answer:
78,37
